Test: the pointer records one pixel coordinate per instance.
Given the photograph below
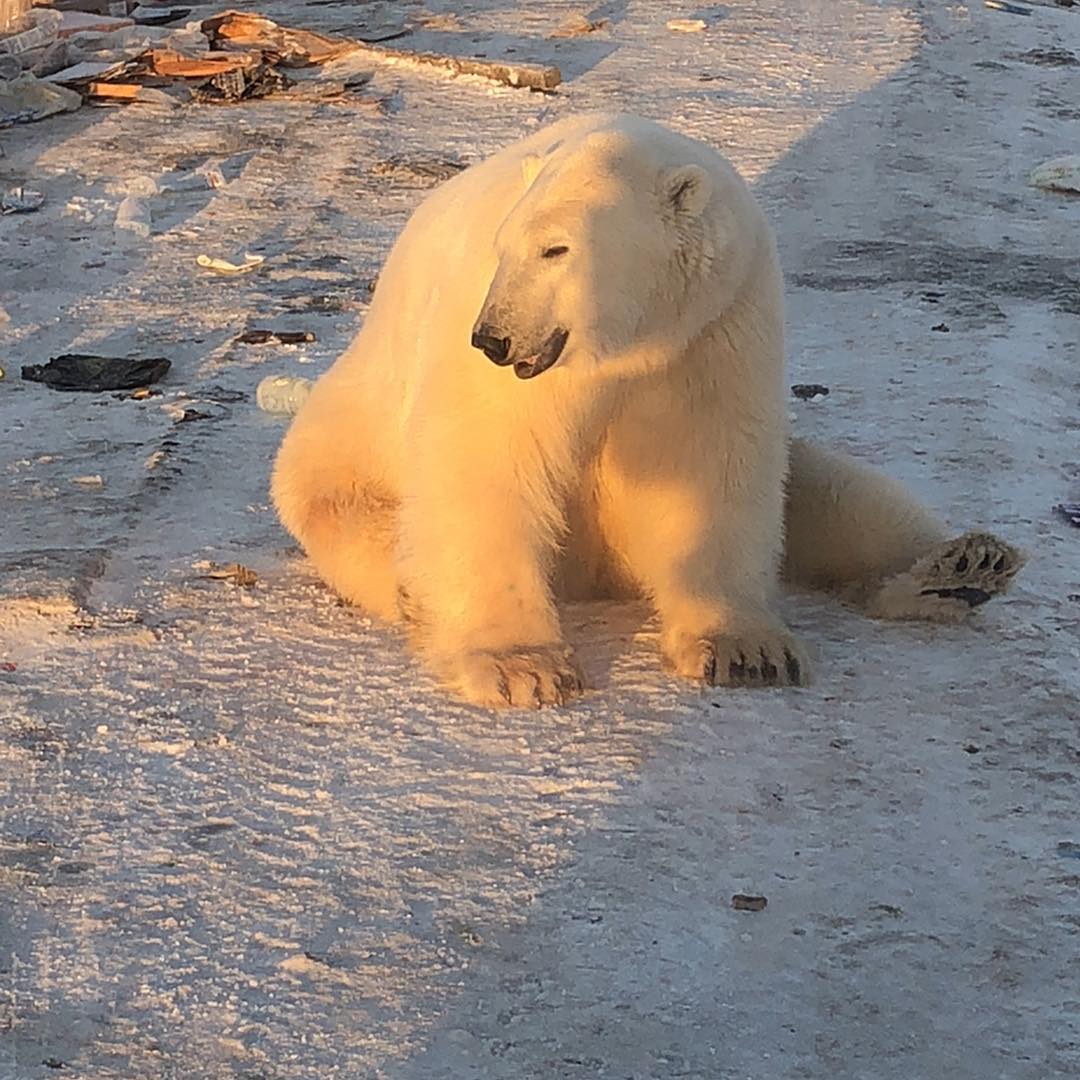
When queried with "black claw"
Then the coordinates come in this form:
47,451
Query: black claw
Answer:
568,683
769,673
794,669
985,561
962,564
1000,564
710,669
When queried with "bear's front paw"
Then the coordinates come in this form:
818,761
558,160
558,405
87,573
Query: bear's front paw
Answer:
756,656
527,677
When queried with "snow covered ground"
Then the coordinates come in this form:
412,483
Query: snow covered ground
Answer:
242,835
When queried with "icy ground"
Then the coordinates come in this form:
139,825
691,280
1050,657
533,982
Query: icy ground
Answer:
244,836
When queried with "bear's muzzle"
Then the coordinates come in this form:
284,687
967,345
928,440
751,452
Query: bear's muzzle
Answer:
551,351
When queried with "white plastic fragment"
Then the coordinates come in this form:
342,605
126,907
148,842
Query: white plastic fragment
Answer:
133,215
283,394
686,26
223,266
1058,174
20,200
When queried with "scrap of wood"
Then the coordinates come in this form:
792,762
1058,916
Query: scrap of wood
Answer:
529,76
168,62
280,44
300,47
117,90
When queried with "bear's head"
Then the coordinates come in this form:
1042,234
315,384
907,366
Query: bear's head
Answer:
610,250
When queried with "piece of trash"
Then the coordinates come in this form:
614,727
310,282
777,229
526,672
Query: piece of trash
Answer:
1068,849
283,337
220,396
810,391
279,44
41,31
237,573
169,63
185,414
9,665
133,215
197,180
241,84
223,266
687,26
28,98
215,178
114,91
88,481
283,394
742,902
1059,174
1002,5
154,16
20,200
941,328
82,371
154,460
578,25
1069,512
521,76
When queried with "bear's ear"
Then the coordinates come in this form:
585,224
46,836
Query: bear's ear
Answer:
530,168
687,188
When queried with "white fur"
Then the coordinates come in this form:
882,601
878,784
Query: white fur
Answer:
425,481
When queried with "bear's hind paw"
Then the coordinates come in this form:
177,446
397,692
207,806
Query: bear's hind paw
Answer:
950,581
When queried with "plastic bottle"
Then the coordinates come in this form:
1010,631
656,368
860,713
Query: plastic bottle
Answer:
133,215
283,394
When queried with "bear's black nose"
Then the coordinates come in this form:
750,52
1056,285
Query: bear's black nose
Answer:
496,349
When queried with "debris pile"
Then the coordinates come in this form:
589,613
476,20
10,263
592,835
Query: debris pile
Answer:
118,51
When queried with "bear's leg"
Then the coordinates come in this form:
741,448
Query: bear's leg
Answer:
855,531
346,526
350,542
694,514
478,537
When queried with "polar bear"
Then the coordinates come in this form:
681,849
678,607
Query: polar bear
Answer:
570,384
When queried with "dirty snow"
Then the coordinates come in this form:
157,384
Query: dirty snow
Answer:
243,835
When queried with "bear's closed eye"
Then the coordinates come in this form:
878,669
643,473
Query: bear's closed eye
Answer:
555,252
